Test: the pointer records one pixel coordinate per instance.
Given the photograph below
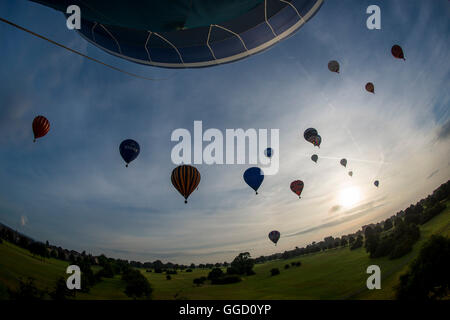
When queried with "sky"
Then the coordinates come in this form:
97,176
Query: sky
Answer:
72,188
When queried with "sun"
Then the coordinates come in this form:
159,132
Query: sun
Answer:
349,196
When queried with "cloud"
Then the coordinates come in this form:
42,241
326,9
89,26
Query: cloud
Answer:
444,131
335,208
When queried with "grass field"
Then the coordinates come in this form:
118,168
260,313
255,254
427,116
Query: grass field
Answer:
333,274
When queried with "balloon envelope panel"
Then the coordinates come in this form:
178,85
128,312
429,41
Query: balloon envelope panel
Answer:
183,34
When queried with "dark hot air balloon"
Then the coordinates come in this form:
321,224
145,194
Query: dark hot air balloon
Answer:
333,66
268,152
350,173
370,87
397,52
41,126
376,183
314,158
274,236
343,162
254,177
185,179
188,34
129,150
297,187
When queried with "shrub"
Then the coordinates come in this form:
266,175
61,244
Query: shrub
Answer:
226,279
250,273
168,277
188,270
136,284
148,270
158,270
215,274
199,281
298,264
171,272
274,271
61,292
286,266
27,291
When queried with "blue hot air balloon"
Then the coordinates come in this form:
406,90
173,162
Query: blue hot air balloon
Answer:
188,34
268,152
129,150
254,177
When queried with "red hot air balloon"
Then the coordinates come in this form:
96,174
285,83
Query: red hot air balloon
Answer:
41,126
185,179
297,187
397,52
370,87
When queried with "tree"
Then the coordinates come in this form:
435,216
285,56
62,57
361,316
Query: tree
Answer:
388,224
243,263
428,277
137,285
61,292
274,271
27,291
215,273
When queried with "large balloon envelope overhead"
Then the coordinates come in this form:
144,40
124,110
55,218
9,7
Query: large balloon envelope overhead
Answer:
129,150
333,66
268,152
274,236
370,87
343,162
188,34
254,177
41,127
314,158
185,179
397,52
297,187
376,183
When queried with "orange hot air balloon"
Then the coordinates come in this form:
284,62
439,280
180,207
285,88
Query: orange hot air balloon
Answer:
41,126
370,87
397,52
185,179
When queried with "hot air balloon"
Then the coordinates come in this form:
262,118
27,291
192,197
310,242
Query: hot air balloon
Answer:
370,87
268,152
314,158
376,183
350,173
297,187
333,66
397,52
41,126
274,236
317,140
188,34
185,179
129,150
343,162
311,135
254,177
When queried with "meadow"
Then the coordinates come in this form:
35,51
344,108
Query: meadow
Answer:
332,274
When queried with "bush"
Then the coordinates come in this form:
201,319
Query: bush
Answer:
274,271
171,272
215,274
27,291
148,270
286,266
168,277
226,279
61,292
136,284
199,281
427,277
250,273
158,270
188,270
298,264
231,270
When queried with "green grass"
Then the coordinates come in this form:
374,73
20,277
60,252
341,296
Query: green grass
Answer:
333,274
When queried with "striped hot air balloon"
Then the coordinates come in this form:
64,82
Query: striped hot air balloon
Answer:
41,126
297,187
185,179
274,236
